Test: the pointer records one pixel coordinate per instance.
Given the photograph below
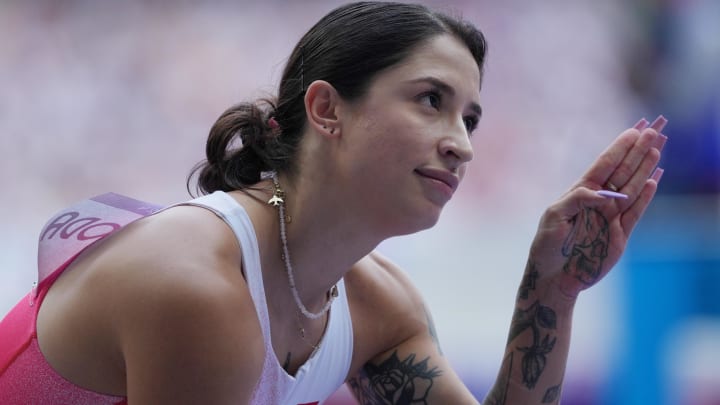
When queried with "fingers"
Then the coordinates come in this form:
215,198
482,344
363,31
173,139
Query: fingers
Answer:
659,123
608,161
658,126
632,215
639,177
625,172
636,157
580,198
660,142
640,125
625,159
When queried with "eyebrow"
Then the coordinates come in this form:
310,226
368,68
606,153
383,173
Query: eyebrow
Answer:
446,88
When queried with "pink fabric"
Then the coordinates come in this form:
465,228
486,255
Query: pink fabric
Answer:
25,375
27,378
15,329
77,227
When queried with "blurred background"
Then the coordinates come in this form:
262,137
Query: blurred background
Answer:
100,96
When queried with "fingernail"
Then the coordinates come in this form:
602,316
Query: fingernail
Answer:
659,123
611,194
640,125
660,142
657,174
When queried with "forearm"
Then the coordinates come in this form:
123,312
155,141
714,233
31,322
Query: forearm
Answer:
539,339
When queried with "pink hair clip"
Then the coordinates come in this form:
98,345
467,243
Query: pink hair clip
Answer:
273,124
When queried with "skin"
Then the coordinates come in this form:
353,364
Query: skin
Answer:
153,312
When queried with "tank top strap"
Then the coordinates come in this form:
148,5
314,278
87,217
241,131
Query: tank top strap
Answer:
325,371
227,209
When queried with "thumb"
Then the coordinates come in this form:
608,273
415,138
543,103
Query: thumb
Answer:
581,198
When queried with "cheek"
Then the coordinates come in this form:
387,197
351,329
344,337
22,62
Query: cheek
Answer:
379,134
391,134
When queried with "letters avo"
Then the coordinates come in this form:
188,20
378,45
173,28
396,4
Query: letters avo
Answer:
71,224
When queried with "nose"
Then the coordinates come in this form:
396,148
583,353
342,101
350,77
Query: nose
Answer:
456,146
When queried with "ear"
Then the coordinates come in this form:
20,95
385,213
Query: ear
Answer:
321,107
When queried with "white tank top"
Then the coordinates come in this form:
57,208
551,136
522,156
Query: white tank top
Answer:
324,372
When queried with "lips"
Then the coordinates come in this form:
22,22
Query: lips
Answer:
444,176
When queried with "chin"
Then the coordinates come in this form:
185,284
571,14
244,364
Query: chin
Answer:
420,221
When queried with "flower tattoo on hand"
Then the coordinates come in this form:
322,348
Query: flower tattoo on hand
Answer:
586,246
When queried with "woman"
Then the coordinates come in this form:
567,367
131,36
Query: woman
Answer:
267,290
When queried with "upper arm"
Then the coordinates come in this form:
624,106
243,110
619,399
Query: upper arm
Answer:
191,348
187,327
411,370
410,373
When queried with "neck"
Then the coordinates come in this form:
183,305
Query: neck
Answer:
323,240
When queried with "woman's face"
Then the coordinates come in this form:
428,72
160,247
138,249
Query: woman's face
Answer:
407,141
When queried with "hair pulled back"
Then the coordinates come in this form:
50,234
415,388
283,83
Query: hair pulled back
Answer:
347,48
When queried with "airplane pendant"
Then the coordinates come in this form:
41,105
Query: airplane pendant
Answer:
275,200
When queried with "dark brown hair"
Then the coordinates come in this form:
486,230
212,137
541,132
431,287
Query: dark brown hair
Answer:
347,48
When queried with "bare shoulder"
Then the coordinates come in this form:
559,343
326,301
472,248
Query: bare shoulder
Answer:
387,309
190,325
182,253
166,293
380,282
398,359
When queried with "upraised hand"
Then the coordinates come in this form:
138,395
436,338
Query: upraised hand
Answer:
582,236
579,239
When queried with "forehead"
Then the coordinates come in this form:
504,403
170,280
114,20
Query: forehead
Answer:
444,57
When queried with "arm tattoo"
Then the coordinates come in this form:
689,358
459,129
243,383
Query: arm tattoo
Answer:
528,281
552,394
433,332
586,246
498,395
535,318
394,382
534,359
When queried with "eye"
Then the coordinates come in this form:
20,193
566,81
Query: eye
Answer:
471,123
431,99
